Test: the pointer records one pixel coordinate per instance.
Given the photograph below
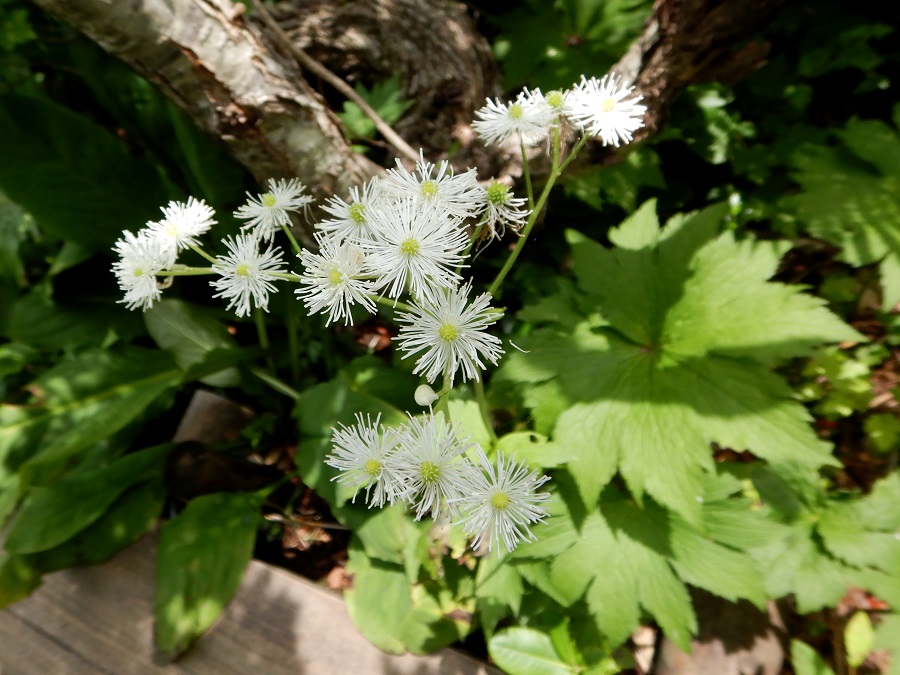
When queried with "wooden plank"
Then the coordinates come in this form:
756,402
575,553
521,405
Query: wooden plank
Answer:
99,620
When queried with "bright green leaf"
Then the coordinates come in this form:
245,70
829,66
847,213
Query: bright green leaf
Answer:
202,555
806,661
858,638
525,651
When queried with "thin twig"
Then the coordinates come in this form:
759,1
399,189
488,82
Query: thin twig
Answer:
313,66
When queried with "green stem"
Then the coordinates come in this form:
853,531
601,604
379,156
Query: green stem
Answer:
555,172
443,404
260,320
275,383
527,173
181,271
290,236
465,254
483,408
391,304
287,276
201,252
292,326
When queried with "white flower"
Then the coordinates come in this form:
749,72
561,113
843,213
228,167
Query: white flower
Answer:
246,273
335,279
523,117
557,102
351,220
429,460
141,258
600,107
501,502
181,225
269,211
438,186
362,453
502,209
417,246
451,333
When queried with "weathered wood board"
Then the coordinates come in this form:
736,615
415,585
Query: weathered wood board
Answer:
99,620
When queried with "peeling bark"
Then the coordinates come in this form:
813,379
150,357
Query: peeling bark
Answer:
211,63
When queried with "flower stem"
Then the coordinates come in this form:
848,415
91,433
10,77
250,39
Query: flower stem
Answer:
555,172
527,173
275,383
287,276
294,244
184,271
202,253
292,326
478,385
260,321
391,304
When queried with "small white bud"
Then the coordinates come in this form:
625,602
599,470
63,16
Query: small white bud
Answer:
425,395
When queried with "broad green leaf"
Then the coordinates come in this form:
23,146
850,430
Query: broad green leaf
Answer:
384,533
525,651
467,415
534,449
887,636
858,638
80,402
694,328
806,661
851,197
499,591
51,515
381,605
76,178
190,336
202,555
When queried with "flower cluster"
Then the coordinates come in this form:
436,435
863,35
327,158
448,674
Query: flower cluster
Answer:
424,463
245,272
600,108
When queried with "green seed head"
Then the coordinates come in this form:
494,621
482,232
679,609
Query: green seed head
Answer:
448,332
242,270
497,193
429,189
410,247
372,467
358,213
608,105
500,501
430,472
516,111
268,200
335,276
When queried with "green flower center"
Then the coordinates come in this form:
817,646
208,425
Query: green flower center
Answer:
556,100
372,467
409,247
335,276
516,111
430,472
429,189
358,213
608,105
242,270
448,332
268,200
497,193
500,501
138,272
172,230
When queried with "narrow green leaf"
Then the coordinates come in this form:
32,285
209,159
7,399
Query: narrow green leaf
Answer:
51,515
203,553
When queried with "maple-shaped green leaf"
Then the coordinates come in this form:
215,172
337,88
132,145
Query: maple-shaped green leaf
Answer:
851,197
683,359
627,557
